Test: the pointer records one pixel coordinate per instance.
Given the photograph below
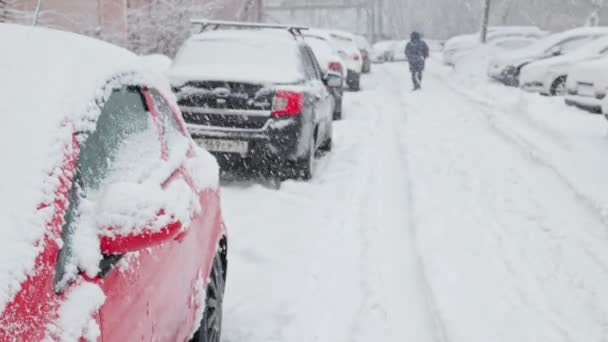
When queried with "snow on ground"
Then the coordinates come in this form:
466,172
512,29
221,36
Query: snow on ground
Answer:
465,212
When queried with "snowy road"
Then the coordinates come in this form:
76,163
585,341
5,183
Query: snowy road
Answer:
466,212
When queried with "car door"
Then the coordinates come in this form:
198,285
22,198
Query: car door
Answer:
322,97
199,169
148,293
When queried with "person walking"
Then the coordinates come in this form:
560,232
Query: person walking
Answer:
416,51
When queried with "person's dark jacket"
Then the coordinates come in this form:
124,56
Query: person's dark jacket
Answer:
416,52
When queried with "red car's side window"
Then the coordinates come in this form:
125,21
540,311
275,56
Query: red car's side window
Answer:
123,147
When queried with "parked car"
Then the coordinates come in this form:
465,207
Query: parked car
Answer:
398,53
110,217
507,67
329,61
365,48
256,97
456,46
548,76
435,45
586,85
348,50
383,51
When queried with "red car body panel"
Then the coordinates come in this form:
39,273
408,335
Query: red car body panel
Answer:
149,294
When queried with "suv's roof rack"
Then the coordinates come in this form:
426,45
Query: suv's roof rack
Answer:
215,24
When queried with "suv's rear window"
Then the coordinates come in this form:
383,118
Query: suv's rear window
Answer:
263,55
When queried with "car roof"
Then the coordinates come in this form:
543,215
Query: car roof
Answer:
49,81
271,35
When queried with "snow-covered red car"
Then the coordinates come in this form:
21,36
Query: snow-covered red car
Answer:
110,214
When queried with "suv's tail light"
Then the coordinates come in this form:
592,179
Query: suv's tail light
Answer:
356,57
335,66
287,103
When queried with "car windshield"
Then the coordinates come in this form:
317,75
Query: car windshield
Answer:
546,44
593,48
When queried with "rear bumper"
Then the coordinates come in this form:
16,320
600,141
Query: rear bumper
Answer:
587,103
278,140
352,78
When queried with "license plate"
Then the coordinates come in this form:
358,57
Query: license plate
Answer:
227,146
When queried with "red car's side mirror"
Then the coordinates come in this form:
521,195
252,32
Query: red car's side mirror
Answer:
113,244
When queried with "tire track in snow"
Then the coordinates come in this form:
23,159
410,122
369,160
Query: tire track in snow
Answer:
400,93
532,151
536,159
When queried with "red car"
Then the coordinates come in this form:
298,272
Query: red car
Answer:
109,212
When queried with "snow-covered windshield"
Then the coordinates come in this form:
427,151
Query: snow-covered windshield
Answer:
546,44
595,47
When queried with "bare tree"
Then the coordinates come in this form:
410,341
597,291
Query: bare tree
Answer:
37,13
161,26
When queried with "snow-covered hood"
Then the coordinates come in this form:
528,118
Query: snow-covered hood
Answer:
49,84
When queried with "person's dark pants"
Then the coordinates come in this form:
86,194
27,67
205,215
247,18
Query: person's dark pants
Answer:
416,71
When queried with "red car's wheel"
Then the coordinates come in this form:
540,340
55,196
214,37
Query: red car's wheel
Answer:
210,329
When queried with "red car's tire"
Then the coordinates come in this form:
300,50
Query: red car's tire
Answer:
210,329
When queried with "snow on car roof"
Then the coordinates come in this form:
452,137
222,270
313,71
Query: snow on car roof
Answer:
553,39
228,55
50,79
246,34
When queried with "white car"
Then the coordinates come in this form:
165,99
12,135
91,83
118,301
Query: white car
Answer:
495,47
586,85
365,48
548,76
348,50
506,67
398,54
458,45
382,51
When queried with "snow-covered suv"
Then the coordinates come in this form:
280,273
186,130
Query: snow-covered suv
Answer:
256,96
